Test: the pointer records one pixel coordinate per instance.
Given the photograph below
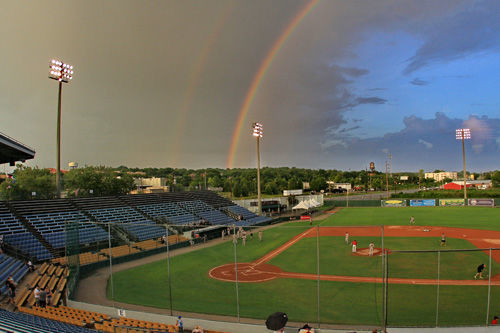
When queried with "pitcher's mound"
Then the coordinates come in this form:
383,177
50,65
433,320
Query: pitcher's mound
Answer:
365,252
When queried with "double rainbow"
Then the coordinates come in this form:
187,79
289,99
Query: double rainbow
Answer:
257,80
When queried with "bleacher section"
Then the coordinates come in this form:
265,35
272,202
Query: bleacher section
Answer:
113,210
173,213
248,218
49,276
37,227
206,212
130,220
16,235
49,217
212,199
10,266
21,322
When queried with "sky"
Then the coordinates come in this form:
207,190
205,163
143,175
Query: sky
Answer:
336,84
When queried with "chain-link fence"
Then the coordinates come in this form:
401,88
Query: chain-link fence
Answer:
311,272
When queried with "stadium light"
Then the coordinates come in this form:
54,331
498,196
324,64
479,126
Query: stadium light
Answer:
60,72
463,134
257,133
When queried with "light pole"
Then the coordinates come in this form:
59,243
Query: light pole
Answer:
257,133
60,72
463,134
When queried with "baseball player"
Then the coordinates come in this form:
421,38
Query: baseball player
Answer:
443,239
371,247
412,220
480,270
354,245
347,238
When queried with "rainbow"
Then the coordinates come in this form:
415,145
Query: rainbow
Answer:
194,80
257,80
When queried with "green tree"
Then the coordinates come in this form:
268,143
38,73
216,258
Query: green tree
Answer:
318,183
495,178
26,181
101,180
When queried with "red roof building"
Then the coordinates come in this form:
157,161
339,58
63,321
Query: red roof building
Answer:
459,184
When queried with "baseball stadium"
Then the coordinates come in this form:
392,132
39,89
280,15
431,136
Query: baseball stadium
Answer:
148,208
142,263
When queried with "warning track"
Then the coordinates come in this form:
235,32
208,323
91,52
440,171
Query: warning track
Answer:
260,271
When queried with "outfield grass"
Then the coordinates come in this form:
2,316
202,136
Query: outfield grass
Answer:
340,302
336,258
456,217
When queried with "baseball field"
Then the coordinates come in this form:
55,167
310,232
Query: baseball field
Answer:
310,272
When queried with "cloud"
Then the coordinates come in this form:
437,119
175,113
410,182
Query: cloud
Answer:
439,149
418,82
457,35
427,145
350,71
370,100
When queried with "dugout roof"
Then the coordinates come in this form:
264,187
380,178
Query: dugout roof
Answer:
12,150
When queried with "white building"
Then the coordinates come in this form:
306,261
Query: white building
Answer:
439,176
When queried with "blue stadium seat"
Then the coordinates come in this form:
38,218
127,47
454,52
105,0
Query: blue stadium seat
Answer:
21,322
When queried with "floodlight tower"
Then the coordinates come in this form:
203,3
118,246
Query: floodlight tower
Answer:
463,134
257,133
60,72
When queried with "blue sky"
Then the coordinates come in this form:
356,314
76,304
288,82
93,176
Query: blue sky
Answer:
356,80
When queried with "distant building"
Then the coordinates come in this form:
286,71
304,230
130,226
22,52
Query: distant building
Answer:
459,184
439,176
334,185
53,171
150,185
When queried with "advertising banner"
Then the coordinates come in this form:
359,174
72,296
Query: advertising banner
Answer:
451,202
423,202
482,202
393,203
305,217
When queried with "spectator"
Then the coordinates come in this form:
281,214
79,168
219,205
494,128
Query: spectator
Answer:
494,321
37,296
179,324
30,266
197,329
11,289
48,296
306,329
43,298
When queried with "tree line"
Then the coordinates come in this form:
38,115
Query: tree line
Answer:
36,183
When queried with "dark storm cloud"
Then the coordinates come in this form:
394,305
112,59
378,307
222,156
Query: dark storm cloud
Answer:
418,82
350,71
474,29
370,100
142,66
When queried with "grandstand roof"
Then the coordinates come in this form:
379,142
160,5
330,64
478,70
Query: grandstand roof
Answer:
12,150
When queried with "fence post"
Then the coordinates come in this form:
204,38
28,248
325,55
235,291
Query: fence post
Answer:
386,287
383,280
438,283
111,265
235,243
168,271
319,277
489,290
